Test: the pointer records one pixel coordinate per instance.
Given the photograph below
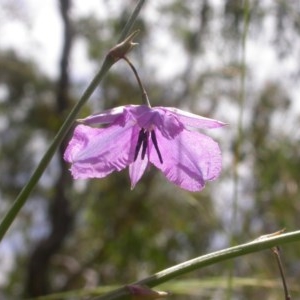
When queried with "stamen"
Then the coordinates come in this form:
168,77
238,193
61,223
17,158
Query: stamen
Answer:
139,143
154,140
145,144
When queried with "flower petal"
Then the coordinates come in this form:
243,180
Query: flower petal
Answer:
96,152
151,118
189,160
106,117
193,120
137,169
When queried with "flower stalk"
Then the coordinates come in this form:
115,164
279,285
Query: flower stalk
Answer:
144,93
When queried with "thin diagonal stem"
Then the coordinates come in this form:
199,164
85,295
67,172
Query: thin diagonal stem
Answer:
128,26
25,192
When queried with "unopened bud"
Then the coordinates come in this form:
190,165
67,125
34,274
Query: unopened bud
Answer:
121,49
140,292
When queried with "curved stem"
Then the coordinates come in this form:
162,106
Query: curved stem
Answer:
144,93
206,260
262,243
25,192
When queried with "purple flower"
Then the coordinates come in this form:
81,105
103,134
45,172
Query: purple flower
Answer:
135,135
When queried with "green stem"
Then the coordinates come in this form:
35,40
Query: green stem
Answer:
204,261
25,192
131,21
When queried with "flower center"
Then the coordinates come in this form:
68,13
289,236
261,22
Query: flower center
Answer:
143,143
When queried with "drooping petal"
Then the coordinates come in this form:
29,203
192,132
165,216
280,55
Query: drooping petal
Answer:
106,117
189,159
96,152
137,169
190,119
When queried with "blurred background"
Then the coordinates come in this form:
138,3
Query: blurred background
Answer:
235,61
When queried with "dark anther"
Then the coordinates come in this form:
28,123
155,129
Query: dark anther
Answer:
142,140
154,140
145,144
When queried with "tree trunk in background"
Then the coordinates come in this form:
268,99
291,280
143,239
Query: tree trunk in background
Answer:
60,216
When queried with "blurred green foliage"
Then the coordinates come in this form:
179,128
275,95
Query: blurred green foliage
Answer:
120,235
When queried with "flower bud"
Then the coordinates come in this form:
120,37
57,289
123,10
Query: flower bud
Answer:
121,49
139,292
